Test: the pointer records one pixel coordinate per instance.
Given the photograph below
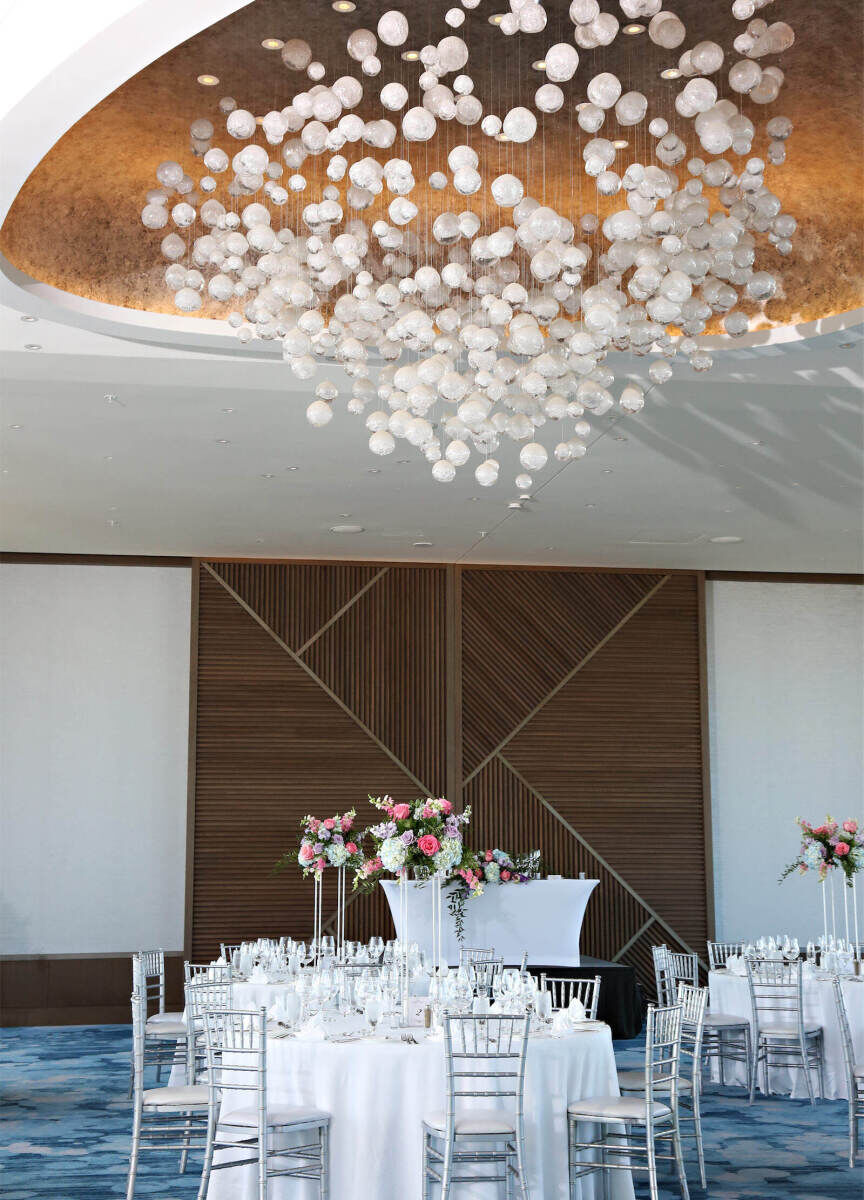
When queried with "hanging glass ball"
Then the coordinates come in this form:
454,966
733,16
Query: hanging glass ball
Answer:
443,471
533,456
382,442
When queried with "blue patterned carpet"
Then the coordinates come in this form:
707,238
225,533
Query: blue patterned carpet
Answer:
66,1125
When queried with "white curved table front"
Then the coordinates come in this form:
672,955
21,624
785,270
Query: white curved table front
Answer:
377,1093
543,917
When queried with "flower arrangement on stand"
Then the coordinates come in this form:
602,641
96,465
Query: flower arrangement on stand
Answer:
834,851
326,842
488,867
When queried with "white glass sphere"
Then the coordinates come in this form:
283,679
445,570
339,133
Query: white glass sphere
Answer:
561,60
361,44
393,28
604,89
154,216
382,442
632,399
443,471
187,299
549,98
457,452
418,125
486,473
394,96
240,123
533,456
296,54
520,125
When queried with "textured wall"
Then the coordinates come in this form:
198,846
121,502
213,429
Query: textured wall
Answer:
564,706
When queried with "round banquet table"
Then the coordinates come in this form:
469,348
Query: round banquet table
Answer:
730,993
377,1092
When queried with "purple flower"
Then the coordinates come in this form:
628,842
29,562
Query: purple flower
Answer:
324,834
338,839
408,837
318,848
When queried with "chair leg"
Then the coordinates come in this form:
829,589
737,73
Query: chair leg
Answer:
754,1068
806,1067
262,1162
133,1155
679,1162
324,1184
424,1180
208,1154
748,1050
721,1056
821,1049
131,1074
697,1124
184,1153
520,1162
652,1164
446,1170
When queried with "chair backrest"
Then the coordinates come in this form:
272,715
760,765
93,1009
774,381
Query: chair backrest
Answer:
663,974
776,996
197,972
719,952
483,974
694,1002
243,1035
485,1057
845,1037
150,978
229,949
663,1027
566,990
475,954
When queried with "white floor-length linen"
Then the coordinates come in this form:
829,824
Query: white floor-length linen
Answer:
378,1092
730,994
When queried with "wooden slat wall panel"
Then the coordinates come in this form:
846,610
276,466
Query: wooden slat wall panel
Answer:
385,658
614,755
522,631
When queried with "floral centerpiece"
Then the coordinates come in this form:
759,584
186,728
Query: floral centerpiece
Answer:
424,837
325,842
488,867
827,847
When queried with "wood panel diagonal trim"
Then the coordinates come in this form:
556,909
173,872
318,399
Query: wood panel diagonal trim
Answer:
600,859
308,670
589,654
310,641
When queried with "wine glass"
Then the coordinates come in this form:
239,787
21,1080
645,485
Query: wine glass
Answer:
376,948
328,946
372,1009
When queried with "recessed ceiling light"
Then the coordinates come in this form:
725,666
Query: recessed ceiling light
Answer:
633,29
227,410
515,504
208,80
422,543
292,468
583,104
501,137
346,529
404,462
345,516
343,6
32,346
29,320
620,143
757,443
107,457
670,73
525,496
840,345
473,499
590,505
114,524
222,442
607,471
267,475
539,65
496,18
410,55
724,540
273,43
16,426
373,470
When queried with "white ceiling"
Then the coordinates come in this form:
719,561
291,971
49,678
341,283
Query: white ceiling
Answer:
766,447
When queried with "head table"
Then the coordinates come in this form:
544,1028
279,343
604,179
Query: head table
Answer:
378,1090
730,993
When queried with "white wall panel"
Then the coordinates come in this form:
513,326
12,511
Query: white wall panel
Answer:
95,686
786,665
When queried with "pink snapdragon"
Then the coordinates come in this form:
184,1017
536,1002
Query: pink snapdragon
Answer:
351,847
850,827
445,806
400,812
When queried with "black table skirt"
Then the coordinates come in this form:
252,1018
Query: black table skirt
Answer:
620,1003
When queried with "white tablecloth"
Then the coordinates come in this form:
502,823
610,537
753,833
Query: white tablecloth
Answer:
543,917
730,994
378,1092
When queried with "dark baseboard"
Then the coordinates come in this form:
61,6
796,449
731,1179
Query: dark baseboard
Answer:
69,990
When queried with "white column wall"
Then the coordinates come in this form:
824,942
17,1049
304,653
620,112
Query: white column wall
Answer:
94,702
786,665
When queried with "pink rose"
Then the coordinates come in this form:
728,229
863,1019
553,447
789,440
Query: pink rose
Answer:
329,823
488,856
446,807
821,830
347,822
351,847
841,849
850,826
306,852
505,875
428,845
478,873
401,812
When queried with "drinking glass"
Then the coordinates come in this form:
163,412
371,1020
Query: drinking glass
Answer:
376,948
372,1009
328,946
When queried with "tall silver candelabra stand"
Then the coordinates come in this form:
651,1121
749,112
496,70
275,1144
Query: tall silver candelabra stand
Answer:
317,900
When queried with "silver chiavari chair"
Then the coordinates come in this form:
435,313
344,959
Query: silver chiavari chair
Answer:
215,972
565,991
475,954
485,1058
483,975
720,952
164,1118
229,949
240,1037
663,975
650,1120
693,1003
782,1038
854,1071
164,1032
201,996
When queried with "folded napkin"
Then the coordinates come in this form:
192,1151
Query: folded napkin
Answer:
566,1019
259,975
220,962
313,1030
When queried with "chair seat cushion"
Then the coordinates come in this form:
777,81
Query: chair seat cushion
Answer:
481,1120
719,1020
788,1031
177,1097
858,1071
634,1081
166,1029
616,1108
283,1114
161,1018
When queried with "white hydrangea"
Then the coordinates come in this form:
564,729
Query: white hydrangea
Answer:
337,855
393,854
449,856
